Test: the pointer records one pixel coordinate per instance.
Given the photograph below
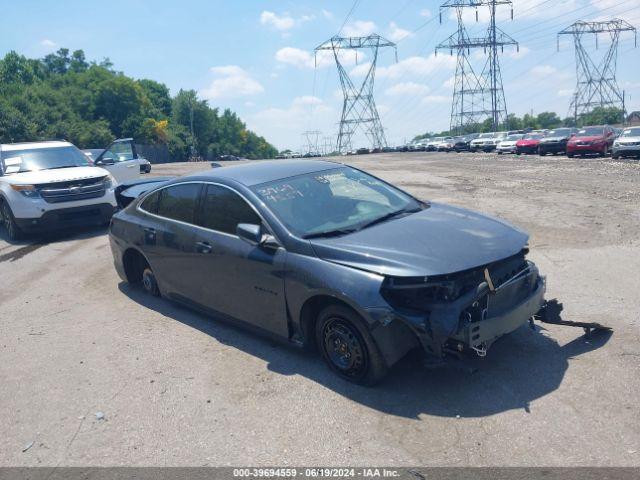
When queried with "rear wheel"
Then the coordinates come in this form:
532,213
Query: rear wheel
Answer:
348,347
149,282
570,155
9,222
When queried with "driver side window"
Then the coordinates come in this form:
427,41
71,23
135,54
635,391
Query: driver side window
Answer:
223,210
119,152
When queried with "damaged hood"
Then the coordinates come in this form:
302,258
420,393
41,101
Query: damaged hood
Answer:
435,241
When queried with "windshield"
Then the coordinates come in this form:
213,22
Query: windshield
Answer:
560,132
533,136
591,131
33,159
631,132
333,201
513,138
486,135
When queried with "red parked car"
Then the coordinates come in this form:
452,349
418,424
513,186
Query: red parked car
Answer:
529,143
591,140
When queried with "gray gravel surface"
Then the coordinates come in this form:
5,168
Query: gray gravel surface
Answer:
94,372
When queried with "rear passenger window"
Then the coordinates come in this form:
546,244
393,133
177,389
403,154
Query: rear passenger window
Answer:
223,210
179,202
150,204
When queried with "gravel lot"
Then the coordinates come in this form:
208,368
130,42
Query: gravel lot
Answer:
177,388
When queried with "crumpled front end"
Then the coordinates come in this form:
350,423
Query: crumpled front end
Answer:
467,311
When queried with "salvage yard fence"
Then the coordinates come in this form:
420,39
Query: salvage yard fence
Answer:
154,153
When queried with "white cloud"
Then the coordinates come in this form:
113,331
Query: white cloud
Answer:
566,92
435,99
407,88
543,71
616,9
48,44
359,28
283,125
518,53
324,58
418,66
450,82
396,33
327,14
284,22
425,12
231,82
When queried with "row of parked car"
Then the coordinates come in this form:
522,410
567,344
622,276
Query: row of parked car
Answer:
593,140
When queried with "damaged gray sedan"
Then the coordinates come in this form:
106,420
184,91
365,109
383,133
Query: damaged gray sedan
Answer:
325,255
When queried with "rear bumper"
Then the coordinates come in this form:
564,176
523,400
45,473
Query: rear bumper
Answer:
527,149
61,218
553,147
586,149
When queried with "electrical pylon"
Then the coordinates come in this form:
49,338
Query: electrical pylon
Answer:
596,82
311,140
477,97
358,107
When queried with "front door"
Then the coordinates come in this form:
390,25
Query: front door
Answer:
236,278
120,160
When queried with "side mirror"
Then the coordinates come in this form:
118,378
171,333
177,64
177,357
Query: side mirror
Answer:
250,233
105,161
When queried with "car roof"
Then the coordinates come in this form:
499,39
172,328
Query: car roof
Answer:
262,171
9,147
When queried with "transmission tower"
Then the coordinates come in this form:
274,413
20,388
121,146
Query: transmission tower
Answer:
477,97
311,140
358,108
596,82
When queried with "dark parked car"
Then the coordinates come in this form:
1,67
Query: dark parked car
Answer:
462,144
591,140
318,253
555,141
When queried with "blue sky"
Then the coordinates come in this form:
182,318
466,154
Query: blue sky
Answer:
256,56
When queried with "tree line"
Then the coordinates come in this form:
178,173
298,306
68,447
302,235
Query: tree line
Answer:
90,104
543,121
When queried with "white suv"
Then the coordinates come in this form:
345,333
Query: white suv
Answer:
51,185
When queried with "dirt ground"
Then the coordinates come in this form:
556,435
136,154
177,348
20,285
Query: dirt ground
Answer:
177,388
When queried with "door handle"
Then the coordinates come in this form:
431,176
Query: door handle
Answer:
150,235
203,247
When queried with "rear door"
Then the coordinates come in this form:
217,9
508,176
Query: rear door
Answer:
121,160
237,279
169,238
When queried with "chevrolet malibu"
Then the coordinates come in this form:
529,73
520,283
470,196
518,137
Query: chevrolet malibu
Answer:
323,255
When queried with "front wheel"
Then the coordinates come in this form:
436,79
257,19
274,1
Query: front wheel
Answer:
348,347
9,222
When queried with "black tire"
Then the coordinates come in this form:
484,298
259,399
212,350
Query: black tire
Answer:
9,222
615,156
348,347
149,282
570,155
